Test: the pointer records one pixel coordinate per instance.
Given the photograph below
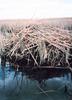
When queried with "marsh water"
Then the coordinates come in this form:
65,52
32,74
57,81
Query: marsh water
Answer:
19,86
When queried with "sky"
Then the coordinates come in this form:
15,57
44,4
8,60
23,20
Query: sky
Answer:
35,9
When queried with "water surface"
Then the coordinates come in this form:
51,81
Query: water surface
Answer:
16,87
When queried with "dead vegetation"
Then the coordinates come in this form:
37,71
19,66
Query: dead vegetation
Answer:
42,44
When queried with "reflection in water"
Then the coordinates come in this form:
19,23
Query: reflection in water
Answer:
34,84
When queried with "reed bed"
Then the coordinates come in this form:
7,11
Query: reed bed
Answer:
42,44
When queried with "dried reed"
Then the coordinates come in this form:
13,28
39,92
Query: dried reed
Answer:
50,43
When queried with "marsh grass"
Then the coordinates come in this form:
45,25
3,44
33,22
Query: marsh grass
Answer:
41,43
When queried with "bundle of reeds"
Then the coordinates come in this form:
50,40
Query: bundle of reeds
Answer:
42,44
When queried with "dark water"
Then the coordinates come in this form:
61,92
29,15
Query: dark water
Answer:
17,88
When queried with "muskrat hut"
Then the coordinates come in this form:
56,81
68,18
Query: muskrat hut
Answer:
36,46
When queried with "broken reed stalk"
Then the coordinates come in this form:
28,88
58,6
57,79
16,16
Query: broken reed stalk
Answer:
44,92
52,44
